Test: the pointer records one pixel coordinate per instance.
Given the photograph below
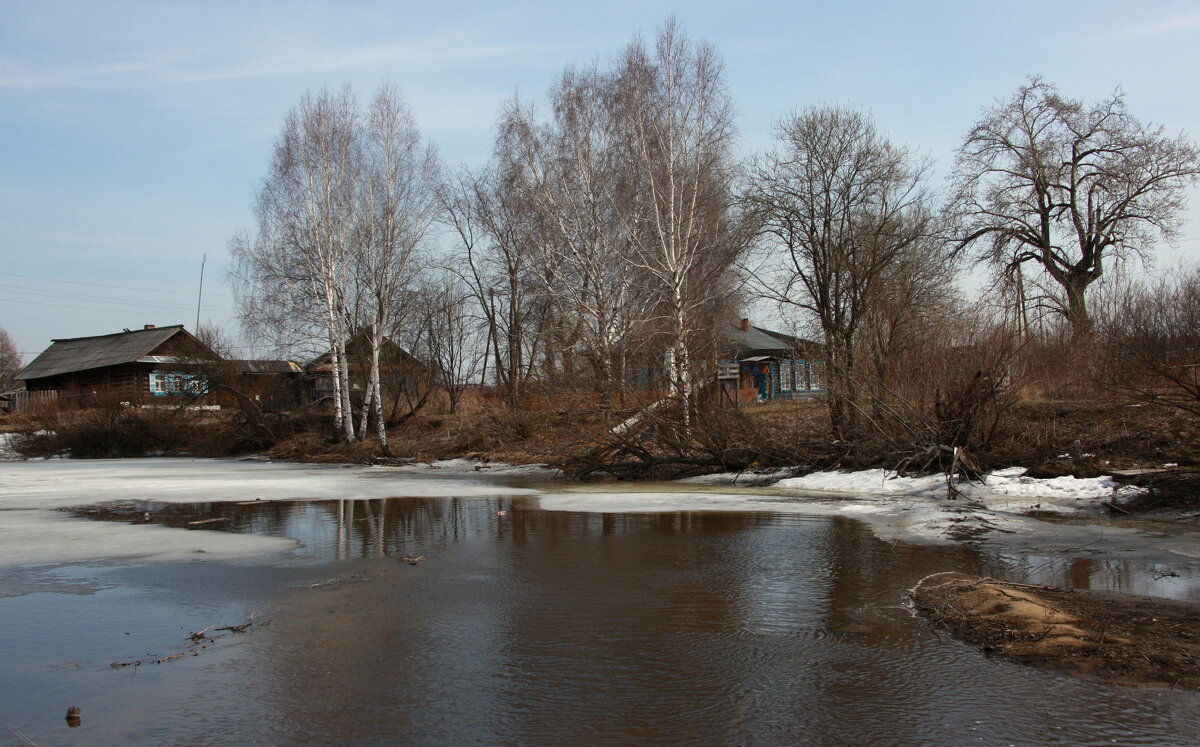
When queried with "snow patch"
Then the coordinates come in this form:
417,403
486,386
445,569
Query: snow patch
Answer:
32,531
996,488
867,482
6,450
475,466
738,478
37,537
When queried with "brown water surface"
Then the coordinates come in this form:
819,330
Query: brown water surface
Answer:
543,628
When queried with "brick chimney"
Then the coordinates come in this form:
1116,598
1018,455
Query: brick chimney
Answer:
148,326
745,325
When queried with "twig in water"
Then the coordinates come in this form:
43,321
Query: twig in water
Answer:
197,637
1103,632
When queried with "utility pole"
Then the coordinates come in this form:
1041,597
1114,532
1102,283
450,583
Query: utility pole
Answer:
200,295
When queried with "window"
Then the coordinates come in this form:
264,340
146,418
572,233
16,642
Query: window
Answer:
163,383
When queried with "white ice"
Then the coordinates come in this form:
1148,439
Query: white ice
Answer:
911,509
916,509
33,531
473,466
739,478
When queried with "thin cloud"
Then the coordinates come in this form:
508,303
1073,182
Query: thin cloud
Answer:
175,67
1176,24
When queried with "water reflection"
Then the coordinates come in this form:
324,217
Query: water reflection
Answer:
525,626
685,628
346,529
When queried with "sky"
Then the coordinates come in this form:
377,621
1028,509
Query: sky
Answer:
133,135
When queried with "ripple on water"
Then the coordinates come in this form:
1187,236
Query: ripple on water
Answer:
563,628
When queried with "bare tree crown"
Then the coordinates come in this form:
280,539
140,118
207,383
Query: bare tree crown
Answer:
1066,186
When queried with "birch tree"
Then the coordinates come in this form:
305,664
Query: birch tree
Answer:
672,110
296,268
399,182
573,167
348,199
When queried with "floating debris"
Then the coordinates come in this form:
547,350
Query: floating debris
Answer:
207,522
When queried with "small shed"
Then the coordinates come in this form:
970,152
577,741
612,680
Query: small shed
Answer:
137,366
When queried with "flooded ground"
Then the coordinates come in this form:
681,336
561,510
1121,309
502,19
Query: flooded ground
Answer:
523,625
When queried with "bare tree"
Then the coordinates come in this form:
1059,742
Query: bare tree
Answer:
1150,335
347,202
848,222
10,361
496,231
448,338
1066,186
397,204
299,260
217,339
573,170
916,298
683,236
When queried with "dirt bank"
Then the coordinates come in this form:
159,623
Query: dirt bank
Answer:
1117,638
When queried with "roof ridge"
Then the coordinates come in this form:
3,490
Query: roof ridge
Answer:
116,334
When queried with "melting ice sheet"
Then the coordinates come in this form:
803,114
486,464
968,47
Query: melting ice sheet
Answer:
33,530
920,518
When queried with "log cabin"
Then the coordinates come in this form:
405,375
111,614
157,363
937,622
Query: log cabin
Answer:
140,366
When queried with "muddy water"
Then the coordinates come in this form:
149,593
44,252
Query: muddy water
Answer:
537,627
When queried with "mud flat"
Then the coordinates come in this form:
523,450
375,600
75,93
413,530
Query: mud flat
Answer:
1117,638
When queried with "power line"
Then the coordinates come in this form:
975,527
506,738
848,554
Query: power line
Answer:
97,285
97,306
42,293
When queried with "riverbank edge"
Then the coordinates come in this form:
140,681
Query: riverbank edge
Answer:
1116,638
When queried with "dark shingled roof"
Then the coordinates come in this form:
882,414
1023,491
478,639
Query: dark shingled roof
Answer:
756,339
85,353
265,367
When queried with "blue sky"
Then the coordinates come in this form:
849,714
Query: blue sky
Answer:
133,134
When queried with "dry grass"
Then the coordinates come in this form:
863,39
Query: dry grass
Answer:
1115,637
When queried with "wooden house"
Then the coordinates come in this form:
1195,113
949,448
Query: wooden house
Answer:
407,381
145,365
270,384
771,364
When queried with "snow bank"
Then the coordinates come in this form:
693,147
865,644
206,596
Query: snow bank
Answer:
1008,489
1012,481
866,482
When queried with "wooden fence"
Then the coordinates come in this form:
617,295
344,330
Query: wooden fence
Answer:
22,401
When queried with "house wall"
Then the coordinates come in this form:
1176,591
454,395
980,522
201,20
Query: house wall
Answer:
127,381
